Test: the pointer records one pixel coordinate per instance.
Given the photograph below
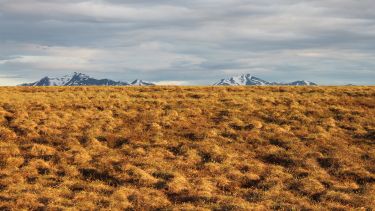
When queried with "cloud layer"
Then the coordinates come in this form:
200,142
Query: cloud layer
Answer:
188,42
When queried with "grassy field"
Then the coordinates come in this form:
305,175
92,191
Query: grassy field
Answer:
187,148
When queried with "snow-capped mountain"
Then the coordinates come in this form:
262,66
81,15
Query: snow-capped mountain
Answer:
80,79
246,79
249,80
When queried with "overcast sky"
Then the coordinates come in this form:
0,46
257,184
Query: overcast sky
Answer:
188,41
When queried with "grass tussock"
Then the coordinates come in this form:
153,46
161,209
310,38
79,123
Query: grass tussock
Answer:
187,148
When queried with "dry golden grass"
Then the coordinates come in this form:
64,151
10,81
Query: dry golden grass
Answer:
187,148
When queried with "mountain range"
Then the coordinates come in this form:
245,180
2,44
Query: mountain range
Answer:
249,80
80,79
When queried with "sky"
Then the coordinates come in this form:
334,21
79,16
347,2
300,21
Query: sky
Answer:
191,42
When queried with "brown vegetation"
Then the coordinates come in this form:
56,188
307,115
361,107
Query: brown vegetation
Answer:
187,148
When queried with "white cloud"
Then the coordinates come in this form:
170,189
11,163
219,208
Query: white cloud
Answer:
53,58
93,10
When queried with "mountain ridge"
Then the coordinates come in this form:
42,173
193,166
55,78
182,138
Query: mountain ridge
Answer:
250,80
80,79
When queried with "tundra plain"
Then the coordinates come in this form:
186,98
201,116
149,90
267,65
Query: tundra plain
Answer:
187,148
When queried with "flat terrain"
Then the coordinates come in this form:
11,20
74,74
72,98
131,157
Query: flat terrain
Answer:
187,148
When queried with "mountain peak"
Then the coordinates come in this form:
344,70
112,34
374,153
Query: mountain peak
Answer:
242,80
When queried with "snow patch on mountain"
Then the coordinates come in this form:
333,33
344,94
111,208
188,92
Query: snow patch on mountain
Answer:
60,81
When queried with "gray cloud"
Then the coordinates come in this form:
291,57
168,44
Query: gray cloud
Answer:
327,41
